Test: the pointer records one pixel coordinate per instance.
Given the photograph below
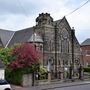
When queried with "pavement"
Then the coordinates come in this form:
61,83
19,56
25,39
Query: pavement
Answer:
51,86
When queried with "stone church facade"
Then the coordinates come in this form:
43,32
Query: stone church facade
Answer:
54,39
60,45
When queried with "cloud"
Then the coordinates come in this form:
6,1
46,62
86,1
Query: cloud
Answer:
16,14
80,20
19,14
16,22
82,35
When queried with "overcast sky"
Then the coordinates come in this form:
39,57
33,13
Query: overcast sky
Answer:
19,14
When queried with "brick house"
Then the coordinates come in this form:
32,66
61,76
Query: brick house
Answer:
85,48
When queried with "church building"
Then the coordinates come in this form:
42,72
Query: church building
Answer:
56,41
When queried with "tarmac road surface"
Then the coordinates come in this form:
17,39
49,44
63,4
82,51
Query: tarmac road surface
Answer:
80,87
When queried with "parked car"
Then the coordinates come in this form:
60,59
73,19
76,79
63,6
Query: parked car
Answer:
4,85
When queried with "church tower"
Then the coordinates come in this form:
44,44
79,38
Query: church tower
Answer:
44,19
45,28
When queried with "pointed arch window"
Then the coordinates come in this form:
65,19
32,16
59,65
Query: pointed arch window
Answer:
64,41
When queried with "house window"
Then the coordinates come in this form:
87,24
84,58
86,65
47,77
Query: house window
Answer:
88,53
41,48
68,47
65,46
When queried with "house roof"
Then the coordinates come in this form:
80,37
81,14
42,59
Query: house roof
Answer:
1,44
9,38
21,36
1,64
26,35
5,36
86,42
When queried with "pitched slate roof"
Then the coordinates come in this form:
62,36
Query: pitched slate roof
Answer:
26,35
9,38
86,42
1,44
5,36
1,64
21,36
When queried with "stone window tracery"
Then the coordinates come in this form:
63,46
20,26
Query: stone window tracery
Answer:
64,41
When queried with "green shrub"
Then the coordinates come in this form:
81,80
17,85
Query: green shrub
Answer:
14,77
42,73
88,65
86,69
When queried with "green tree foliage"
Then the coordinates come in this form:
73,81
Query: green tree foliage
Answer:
5,55
17,45
19,59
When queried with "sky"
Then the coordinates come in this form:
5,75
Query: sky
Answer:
19,14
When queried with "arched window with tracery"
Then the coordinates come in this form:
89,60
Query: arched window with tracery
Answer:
64,41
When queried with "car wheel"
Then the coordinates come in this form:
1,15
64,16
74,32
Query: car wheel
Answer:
7,89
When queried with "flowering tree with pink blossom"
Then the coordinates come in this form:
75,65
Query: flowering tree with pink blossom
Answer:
25,57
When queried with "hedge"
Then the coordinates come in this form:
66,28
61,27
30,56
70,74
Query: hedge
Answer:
14,77
86,69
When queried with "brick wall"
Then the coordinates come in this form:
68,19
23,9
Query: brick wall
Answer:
85,54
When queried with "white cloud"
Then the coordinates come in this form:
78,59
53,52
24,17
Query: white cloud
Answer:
80,20
19,14
16,22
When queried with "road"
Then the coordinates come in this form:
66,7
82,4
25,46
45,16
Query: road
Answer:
80,87
64,86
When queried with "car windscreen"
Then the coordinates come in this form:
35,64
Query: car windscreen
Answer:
3,82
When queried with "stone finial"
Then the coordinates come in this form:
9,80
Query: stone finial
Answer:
72,27
73,30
